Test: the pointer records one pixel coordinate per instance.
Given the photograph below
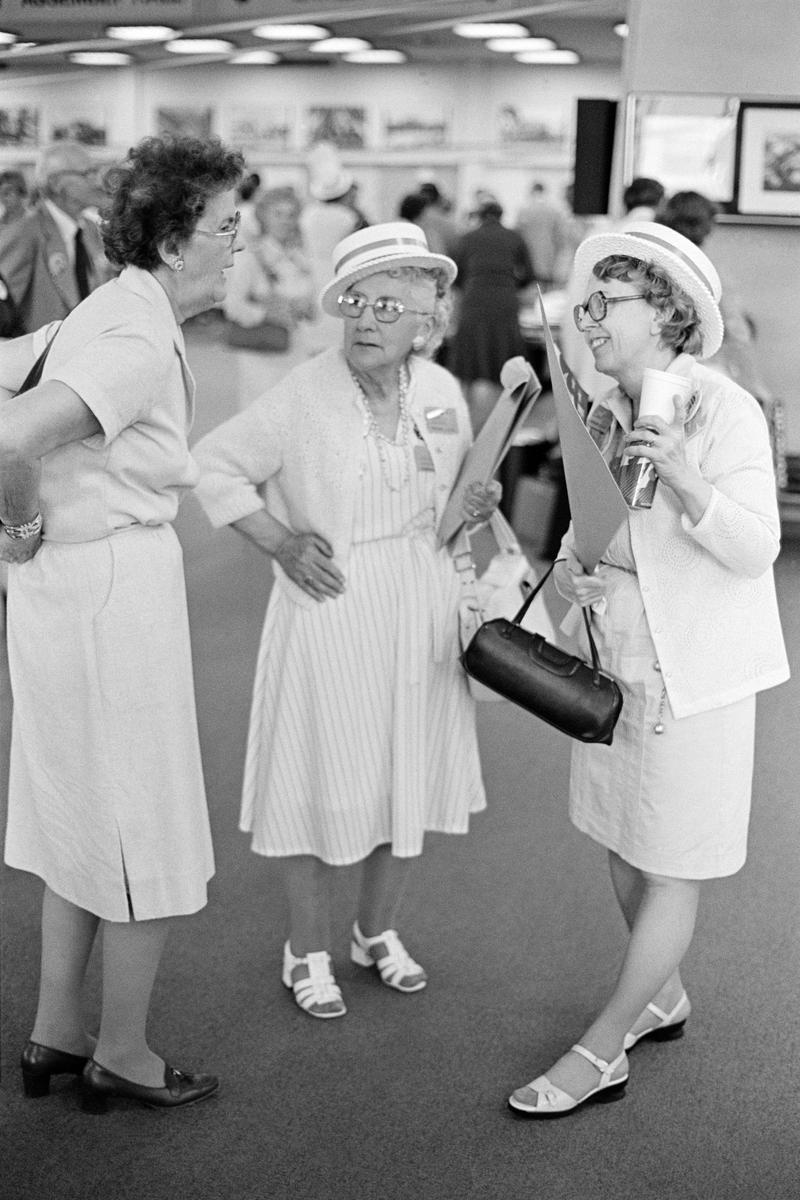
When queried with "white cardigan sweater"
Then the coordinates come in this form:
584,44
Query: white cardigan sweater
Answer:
708,589
305,440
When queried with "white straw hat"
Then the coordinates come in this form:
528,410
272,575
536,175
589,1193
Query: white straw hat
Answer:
685,263
379,248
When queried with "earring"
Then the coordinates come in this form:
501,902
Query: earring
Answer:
418,342
179,264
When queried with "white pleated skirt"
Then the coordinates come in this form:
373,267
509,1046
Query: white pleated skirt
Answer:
106,795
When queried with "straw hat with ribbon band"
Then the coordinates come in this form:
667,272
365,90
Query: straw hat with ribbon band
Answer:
380,248
685,263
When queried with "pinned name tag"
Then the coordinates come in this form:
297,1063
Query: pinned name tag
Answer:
422,457
441,420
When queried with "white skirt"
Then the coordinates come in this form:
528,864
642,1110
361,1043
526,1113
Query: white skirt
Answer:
106,796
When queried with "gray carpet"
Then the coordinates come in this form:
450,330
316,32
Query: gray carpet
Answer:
405,1097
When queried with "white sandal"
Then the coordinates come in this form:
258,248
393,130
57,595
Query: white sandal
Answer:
552,1101
668,1026
318,993
386,952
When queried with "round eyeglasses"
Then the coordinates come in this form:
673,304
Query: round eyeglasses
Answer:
230,229
387,310
596,306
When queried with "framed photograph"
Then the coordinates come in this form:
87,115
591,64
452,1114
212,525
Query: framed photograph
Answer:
339,125
87,128
413,130
193,122
536,127
687,143
260,129
768,160
19,126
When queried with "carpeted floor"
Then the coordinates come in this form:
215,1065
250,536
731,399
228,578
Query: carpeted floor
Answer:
404,1099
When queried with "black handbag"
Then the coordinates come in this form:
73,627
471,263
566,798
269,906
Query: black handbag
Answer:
561,689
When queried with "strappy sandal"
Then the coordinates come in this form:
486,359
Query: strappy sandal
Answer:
317,993
668,1025
386,952
541,1098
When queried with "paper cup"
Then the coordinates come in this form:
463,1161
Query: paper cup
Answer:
658,389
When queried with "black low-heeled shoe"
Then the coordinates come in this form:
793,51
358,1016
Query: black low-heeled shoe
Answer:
180,1088
38,1063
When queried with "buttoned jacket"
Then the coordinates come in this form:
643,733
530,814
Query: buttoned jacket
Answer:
38,271
708,588
304,440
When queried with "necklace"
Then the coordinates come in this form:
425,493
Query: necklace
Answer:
381,440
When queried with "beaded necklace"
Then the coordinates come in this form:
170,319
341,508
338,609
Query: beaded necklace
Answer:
371,429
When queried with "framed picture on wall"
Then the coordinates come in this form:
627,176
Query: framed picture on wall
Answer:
260,129
768,160
535,127
687,143
87,128
413,130
339,125
19,126
179,122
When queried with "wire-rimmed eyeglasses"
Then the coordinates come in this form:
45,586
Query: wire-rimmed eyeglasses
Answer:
387,309
596,306
230,229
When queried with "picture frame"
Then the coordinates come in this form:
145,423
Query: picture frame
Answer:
687,143
767,176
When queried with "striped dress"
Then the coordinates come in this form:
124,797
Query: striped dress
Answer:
362,729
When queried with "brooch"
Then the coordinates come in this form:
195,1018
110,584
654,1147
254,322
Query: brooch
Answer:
57,264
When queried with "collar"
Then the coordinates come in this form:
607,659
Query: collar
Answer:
144,283
65,225
620,405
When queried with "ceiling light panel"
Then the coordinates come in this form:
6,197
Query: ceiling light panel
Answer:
376,56
199,46
7,39
495,29
535,58
291,33
140,33
252,57
339,45
101,58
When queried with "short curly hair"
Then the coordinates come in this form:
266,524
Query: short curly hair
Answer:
159,192
442,301
681,328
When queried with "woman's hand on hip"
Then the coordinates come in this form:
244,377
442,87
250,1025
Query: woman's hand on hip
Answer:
575,585
307,558
18,550
480,501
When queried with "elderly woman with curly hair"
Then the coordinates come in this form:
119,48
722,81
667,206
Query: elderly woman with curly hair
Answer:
362,731
107,802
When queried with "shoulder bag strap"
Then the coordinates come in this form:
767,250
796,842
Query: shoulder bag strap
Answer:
35,374
529,600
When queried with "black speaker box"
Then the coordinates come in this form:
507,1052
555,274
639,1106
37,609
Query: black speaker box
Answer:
594,149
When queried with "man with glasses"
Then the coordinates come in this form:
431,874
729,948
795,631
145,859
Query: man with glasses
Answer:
53,257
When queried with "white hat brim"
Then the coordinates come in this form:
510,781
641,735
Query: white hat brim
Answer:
396,258
601,245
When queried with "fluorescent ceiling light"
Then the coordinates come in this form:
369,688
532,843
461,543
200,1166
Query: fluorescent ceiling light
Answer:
199,46
376,56
622,29
265,57
140,33
101,58
339,45
7,39
519,45
290,33
21,46
548,57
494,29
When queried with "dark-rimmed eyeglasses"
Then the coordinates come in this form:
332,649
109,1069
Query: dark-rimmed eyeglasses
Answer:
387,309
596,306
229,229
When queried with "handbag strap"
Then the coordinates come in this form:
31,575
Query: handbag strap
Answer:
516,620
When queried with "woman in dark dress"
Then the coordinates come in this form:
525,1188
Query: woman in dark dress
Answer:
493,264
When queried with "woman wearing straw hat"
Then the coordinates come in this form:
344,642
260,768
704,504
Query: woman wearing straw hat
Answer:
684,612
362,732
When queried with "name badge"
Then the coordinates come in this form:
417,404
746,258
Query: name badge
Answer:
422,457
441,420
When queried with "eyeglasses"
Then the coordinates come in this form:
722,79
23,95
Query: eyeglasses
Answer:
597,306
230,229
387,310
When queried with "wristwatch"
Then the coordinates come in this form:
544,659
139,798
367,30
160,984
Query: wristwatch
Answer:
28,529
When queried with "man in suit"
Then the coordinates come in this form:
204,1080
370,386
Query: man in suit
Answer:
53,257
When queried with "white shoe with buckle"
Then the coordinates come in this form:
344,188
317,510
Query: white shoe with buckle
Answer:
316,993
386,952
667,1025
541,1098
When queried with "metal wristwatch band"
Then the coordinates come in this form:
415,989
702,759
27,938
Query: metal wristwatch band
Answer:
27,529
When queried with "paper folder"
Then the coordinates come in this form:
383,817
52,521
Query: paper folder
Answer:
521,388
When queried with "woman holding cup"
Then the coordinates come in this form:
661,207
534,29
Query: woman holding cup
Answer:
684,615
